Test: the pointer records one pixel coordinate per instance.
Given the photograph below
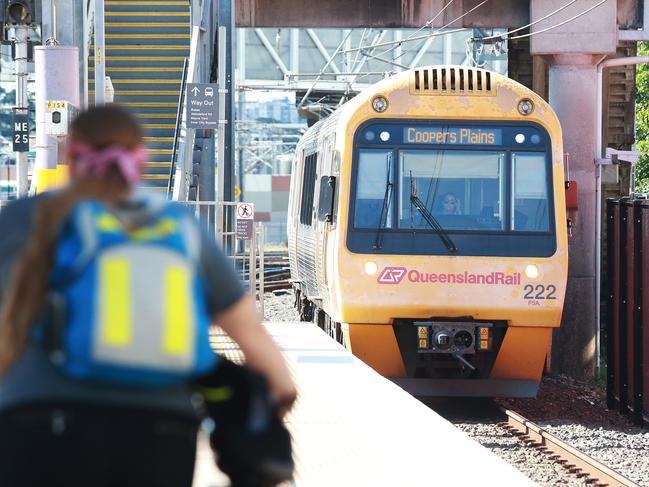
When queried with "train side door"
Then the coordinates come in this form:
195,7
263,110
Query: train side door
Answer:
325,216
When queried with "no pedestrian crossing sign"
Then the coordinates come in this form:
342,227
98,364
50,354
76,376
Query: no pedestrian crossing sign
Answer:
245,220
201,105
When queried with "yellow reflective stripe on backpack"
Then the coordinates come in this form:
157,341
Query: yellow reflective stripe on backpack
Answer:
107,222
166,226
115,292
178,316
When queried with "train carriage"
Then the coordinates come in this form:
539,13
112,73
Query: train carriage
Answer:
427,230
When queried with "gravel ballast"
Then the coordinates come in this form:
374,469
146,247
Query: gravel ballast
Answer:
573,411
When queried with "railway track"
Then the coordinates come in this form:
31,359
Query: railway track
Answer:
575,461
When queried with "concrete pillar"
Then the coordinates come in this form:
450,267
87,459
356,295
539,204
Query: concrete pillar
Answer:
572,94
573,48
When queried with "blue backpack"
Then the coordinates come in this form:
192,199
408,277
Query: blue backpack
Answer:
133,304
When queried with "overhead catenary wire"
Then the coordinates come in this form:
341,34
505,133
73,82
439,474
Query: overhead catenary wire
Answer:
324,68
560,23
528,25
424,36
452,21
505,35
428,23
427,36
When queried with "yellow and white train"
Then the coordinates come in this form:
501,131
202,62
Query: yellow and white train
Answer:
427,230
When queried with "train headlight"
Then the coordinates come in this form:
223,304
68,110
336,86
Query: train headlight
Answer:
380,104
532,271
371,268
525,106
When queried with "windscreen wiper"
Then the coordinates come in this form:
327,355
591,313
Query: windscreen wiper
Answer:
378,241
432,221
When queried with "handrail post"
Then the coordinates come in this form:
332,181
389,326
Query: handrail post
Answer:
252,271
262,272
179,115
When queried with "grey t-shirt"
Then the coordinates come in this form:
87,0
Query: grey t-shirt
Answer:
33,379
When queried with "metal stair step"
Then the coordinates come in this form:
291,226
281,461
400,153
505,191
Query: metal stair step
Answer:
140,59
142,16
126,6
151,72
169,38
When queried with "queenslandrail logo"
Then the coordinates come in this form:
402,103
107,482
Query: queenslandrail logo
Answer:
394,275
391,275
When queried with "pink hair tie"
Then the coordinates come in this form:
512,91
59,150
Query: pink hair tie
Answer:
93,162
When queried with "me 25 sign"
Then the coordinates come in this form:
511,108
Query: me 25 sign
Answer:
20,131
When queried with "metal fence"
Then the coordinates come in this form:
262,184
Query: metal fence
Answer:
247,255
627,326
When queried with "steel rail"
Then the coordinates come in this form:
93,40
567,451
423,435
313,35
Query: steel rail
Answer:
574,460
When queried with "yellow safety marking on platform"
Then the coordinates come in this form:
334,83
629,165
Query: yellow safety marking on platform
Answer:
142,58
146,14
123,69
177,300
157,152
147,24
116,324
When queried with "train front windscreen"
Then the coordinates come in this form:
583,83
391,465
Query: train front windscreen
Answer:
487,189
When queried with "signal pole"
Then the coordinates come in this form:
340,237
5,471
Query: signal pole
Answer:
20,39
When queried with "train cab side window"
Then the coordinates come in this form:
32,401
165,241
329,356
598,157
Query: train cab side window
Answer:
308,188
530,212
375,169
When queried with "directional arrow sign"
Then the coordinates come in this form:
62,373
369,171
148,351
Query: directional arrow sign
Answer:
201,105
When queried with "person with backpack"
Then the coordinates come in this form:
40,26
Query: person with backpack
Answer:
107,295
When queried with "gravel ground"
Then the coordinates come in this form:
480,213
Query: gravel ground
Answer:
576,412
573,411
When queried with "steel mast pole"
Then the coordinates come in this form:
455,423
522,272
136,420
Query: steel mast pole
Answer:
21,36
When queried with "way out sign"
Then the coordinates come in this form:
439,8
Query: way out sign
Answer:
20,124
245,220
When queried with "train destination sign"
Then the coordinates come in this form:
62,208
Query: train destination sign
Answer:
452,135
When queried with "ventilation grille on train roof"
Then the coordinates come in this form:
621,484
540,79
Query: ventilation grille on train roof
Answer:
452,81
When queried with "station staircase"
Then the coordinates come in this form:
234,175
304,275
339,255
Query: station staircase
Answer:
146,43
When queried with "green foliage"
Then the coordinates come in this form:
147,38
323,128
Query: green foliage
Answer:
642,121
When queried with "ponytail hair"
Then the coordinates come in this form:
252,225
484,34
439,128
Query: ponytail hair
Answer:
100,128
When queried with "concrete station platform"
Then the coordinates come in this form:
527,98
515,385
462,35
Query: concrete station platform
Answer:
352,427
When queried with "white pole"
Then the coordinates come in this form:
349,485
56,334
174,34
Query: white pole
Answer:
100,56
21,35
